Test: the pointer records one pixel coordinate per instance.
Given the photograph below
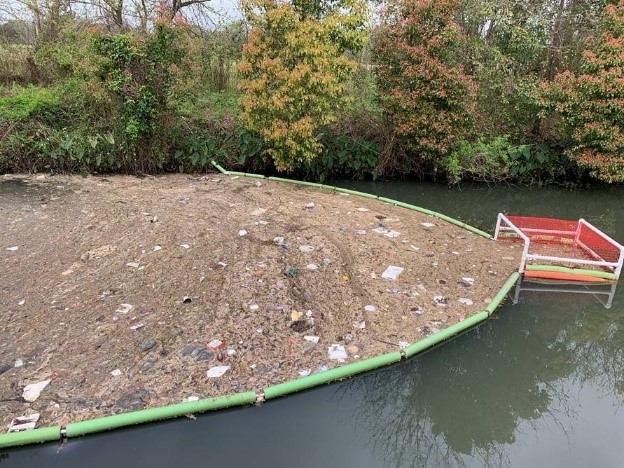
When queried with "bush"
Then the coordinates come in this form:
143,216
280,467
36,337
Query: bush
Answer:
423,88
498,159
30,102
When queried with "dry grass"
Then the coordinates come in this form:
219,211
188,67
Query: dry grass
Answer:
14,66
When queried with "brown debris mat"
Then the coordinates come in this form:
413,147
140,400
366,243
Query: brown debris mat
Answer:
119,285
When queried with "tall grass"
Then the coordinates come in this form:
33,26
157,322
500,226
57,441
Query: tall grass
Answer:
14,63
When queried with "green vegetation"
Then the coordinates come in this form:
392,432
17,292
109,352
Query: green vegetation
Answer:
488,90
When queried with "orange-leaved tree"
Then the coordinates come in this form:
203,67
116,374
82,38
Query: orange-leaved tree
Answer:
294,72
591,103
423,88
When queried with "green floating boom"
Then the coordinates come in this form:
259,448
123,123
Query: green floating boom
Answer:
443,335
500,296
34,436
156,414
573,271
331,375
435,214
219,168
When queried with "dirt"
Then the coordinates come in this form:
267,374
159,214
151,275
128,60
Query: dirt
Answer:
119,285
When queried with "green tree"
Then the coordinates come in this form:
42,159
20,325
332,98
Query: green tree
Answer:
591,103
294,72
424,90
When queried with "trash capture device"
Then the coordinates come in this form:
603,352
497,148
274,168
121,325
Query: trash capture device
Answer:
559,249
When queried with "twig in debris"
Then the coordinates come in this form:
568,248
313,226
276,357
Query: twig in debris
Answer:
387,342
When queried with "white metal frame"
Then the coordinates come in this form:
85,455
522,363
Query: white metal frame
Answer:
597,290
504,225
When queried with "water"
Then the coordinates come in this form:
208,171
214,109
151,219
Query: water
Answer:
540,384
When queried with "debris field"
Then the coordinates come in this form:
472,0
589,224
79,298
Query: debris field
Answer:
122,293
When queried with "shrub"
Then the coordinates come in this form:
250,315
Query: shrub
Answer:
423,89
30,102
294,74
592,102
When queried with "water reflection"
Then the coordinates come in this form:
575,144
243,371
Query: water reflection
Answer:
461,404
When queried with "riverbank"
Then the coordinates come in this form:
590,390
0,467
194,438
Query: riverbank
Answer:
131,293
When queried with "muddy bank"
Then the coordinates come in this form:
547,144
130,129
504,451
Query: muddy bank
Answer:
130,293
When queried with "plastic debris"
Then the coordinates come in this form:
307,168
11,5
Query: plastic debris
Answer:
258,212
278,240
361,232
312,266
370,308
466,281
327,261
185,246
311,338
309,206
133,264
124,308
295,315
12,249
466,301
403,344
19,363
388,233
292,272
137,326
192,398
413,247
392,272
353,349
215,344
337,352
115,373
427,225
304,373
23,423
440,300
186,300
217,371
22,302
32,391
254,307
231,351
157,248
362,210
242,233
361,325
306,248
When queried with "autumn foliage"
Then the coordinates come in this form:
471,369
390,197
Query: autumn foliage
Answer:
591,102
294,72
424,90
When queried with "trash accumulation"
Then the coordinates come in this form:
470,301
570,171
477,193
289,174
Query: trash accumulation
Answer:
126,293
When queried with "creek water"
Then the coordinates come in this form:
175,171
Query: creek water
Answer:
539,384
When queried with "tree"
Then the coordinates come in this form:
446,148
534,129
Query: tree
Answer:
424,90
294,72
591,103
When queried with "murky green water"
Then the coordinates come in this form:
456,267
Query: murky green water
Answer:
539,385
